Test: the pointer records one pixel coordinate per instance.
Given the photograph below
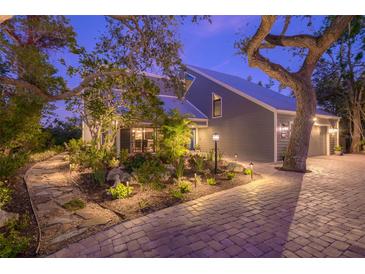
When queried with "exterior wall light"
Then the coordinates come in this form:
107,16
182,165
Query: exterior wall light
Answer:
215,139
235,157
314,119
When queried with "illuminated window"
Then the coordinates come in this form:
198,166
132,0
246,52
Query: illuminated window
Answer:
217,105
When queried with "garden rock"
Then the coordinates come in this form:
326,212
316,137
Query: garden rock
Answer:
235,167
170,169
6,217
118,174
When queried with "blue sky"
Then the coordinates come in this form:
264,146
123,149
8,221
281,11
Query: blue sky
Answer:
208,45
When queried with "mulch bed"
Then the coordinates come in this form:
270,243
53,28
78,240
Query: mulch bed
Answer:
145,201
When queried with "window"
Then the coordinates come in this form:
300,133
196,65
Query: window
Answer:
217,105
143,140
189,79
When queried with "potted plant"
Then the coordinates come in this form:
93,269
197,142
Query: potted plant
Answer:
338,150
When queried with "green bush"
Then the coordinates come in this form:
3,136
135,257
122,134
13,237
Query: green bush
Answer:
176,134
123,155
180,167
5,194
113,163
197,162
197,180
230,175
120,191
247,171
150,173
99,175
136,161
177,194
10,164
338,148
12,243
211,181
74,204
184,186
43,155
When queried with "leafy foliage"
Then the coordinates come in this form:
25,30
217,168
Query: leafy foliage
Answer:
198,162
62,132
150,173
180,167
5,194
120,191
247,171
211,181
123,155
230,175
184,186
176,135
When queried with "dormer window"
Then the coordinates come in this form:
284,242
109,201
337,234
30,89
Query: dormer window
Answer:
189,79
216,105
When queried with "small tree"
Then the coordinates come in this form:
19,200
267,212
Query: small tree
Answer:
176,136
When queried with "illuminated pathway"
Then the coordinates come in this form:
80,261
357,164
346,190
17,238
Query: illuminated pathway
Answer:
318,214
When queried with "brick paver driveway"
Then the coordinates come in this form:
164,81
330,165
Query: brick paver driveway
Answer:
318,214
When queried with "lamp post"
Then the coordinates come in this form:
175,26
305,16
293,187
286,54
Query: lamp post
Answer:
215,139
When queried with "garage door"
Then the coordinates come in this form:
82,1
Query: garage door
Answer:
318,141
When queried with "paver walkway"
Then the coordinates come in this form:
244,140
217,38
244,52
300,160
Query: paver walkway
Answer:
317,214
50,187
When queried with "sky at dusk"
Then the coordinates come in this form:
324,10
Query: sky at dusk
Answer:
208,45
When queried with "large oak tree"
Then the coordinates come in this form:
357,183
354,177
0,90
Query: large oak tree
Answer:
300,81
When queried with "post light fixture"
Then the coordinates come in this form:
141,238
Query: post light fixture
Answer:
251,167
215,139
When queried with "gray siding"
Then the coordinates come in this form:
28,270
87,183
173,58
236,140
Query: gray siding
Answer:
245,127
287,118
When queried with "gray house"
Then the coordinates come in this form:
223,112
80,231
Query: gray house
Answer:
253,122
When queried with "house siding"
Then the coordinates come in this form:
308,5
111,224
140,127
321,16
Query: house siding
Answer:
287,118
245,128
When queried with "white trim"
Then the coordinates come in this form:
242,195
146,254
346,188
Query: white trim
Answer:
238,92
291,112
275,136
220,116
169,96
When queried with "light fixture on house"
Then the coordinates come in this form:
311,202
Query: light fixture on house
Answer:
314,119
215,137
235,157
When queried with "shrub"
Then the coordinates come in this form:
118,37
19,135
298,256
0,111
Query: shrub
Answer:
113,163
176,134
177,194
338,148
123,155
150,173
120,191
230,175
12,243
184,186
74,204
136,161
211,181
99,175
144,205
210,155
5,194
180,168
10,164
197,161
247,171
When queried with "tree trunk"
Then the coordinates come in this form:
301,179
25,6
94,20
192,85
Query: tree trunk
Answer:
356,129
297,151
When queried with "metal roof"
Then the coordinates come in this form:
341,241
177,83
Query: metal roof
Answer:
264,95
182,105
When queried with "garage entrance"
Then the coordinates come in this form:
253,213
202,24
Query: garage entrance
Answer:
318,141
